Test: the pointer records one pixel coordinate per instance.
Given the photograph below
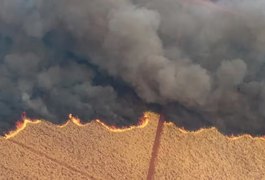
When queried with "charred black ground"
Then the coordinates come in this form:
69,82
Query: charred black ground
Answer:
199,63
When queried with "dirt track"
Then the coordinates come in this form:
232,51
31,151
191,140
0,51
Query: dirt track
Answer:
45,151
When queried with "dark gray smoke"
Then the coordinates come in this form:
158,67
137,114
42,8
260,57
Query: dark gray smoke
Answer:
200,63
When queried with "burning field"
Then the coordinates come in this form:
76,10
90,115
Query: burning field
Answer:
95,151
199,64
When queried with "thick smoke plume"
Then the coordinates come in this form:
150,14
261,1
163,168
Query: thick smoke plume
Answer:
200,63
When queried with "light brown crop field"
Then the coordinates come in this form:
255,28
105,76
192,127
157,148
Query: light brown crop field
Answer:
46,151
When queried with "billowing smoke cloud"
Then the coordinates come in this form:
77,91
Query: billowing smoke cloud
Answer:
200,63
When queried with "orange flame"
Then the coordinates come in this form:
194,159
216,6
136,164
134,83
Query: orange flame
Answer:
20,126
205,130
142,123
74,120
